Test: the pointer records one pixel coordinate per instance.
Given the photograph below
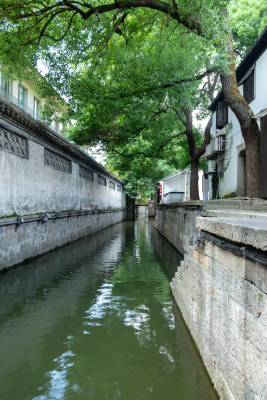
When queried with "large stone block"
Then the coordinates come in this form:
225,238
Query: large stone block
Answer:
257,274
226,258
252,232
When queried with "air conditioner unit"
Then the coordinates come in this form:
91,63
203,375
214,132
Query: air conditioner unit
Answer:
217,145
208,151
211,167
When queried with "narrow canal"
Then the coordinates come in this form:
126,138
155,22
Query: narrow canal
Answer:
95,320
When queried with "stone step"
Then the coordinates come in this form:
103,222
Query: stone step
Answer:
239,204
229,213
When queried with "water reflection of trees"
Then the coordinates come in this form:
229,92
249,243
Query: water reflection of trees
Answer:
42,300
95,320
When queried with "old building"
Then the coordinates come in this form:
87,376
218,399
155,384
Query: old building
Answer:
226,153
176,187
23,94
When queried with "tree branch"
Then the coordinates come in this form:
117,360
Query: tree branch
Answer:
43,34
213,87
178,82
117,24
180,116
34,9
201,149
142,153
167,85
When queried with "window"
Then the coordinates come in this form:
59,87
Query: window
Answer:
22,97
248,88
6,88
5,84
36,108
221,114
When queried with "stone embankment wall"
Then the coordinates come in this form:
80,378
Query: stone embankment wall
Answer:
178,223
151,208
43,172
221,290
141,211
19,243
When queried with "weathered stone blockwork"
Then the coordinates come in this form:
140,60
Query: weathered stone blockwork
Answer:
178,223
28,240
227,317
223,295
151,208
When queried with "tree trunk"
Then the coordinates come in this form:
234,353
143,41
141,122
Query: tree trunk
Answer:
251,136
195,153
194,194
250,132
249,127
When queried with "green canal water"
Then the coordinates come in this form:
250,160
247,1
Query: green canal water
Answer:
95,320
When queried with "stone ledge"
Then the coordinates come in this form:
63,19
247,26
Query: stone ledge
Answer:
29,240
238,204
251,232
247,214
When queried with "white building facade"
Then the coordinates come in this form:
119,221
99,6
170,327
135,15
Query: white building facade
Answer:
226,153
24,95
176,187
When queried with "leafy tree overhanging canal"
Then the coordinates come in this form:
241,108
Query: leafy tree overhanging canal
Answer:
133,73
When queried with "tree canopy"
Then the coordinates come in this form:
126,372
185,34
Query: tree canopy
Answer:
141,174
129,67
131,112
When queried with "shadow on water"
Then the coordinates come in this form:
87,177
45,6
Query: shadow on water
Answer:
95,320
169,257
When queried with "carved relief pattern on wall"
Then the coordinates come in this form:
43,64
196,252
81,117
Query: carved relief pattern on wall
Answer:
112,185
101,180
56,161
13,143
86,174
43,133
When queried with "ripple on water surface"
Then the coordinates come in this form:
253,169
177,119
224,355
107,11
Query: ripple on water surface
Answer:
95,320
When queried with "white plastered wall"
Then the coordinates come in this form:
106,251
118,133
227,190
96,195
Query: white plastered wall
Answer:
231,181
28,186
181,182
